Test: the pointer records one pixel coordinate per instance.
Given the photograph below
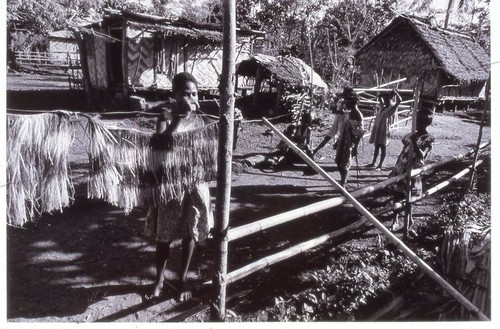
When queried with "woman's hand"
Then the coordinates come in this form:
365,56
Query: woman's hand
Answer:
186,106
161,141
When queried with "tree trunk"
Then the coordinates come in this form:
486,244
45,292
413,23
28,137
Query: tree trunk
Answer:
226,122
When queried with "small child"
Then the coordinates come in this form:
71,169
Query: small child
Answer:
301,136
388,106
422,145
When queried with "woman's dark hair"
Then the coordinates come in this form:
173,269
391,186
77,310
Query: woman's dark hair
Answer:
181,79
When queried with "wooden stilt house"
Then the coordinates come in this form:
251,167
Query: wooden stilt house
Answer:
451,65
128,53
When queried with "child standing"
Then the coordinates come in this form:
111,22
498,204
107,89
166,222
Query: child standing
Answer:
388,106
188,217
422,143
351,133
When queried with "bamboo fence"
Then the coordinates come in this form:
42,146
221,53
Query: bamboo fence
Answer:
298,213
389,235
313,243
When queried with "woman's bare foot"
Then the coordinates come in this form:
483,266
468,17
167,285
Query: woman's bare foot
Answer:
184,291
157,289
155,292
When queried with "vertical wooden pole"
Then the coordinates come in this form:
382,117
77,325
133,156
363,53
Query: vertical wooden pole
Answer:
312,63
185,54
226,127
125,63
480,136
408,211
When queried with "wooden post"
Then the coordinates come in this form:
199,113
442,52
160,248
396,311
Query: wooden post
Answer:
389,235
185,54
312,64
480,136
408,214
224,159
125,95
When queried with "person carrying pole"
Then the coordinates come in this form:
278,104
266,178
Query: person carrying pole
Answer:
389,103
420,144
351,134
339,110
189,216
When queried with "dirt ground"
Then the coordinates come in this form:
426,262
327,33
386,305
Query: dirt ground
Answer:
91,262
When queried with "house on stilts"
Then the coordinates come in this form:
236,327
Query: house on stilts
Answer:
128,54
452,66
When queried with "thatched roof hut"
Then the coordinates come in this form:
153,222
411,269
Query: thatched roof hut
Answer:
127,53
278,74
288,70
450,64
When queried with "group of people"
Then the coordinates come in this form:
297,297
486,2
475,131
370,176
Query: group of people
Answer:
347,130
190,216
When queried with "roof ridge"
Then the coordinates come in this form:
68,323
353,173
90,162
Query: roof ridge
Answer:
437,28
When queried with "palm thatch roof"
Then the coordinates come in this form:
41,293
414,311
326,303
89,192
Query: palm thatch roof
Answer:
288,70
457,54
201,32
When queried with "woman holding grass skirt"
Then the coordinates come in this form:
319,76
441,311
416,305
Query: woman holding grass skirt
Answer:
189,216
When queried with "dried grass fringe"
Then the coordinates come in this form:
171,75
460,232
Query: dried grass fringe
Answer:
128,173
465,257
37,165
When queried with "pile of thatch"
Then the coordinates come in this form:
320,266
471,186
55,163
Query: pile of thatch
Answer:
465,257
128,172
37,165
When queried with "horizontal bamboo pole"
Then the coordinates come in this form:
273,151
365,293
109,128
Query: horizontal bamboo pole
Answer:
385,84
263,224
290,252
430,191
400,121
380,86
310,244
389,235
268,222
401,91
407,101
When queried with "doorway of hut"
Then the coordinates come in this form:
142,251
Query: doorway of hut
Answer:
115,60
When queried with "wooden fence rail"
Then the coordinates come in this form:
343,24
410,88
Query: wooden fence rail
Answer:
381,227
298,213
315,242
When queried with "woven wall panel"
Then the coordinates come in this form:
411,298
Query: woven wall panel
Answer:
140,59
100,64
206,65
